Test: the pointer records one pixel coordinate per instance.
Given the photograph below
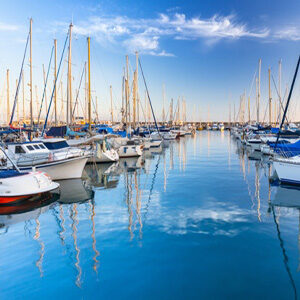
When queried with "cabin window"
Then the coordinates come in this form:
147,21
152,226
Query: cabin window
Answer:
36,146
42,146
56,145
30,148
19,149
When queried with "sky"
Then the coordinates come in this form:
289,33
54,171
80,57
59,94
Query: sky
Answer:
204,51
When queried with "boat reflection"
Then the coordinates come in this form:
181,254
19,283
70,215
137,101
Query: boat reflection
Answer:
284,252
286,197
102,175
75,191
26,210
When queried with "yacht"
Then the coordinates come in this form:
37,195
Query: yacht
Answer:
126,147
53,156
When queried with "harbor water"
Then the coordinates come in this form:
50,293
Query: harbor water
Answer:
196,218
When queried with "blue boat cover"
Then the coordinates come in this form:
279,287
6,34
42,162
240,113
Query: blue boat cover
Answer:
10,173
74,133
286,149
57,131
274,130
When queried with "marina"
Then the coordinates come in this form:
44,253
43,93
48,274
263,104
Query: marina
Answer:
149,150
147,221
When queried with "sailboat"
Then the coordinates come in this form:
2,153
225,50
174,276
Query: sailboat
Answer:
287,168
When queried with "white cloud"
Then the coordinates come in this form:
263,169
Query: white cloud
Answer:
289,33
146,35
142,42
8,27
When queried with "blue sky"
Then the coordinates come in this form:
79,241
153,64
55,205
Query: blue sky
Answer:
206,51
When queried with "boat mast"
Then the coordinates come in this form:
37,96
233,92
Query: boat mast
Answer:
44,75
270,98
279,90
7,96
135,91
18,113
163,110
69,89
123,92
23,92
137,113
36,100
171,111
234,112
55,78
258,91
85,93
249,114
62,101
229,114
111,105
127,96
257,105
89,79
146,110
30,64
138,107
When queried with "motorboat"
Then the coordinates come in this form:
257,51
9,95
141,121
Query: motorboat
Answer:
53,156
18,186
221,127
127,147
214,127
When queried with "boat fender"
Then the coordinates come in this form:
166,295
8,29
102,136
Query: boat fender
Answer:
50,156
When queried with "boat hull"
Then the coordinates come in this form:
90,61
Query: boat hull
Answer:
66,169
22,187
288,173
130,151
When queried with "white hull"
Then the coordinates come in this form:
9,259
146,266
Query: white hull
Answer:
254,146
104,157
130,151
66,169
287,172
26,185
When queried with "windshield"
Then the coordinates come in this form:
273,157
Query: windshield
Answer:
57,145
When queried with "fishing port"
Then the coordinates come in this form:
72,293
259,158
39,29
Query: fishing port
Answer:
149,152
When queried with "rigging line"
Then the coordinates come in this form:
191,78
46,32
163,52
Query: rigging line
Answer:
101,68
252,83
148,96
76,101
18,86
281,102
61,59
45,85
95,110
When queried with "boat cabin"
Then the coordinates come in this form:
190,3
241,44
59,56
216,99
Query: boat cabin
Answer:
56,144
27,148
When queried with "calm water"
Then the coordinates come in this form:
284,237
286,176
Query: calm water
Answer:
195,219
